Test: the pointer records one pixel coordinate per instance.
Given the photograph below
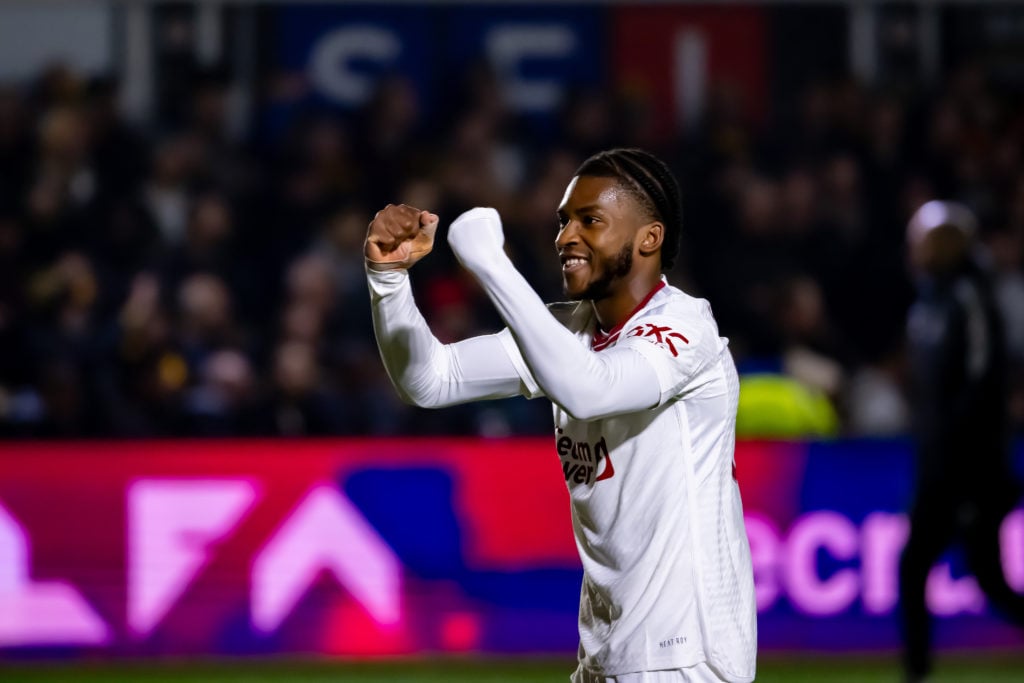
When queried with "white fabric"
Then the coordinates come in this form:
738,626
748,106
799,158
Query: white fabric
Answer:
700,673
668,580
645,432
426,372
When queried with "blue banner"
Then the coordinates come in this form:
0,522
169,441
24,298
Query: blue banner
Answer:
345,50
539,54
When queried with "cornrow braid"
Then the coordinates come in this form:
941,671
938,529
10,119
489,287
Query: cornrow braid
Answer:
651,182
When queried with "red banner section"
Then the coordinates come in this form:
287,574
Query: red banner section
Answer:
679,57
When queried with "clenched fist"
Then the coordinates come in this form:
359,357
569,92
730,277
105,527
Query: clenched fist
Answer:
398,237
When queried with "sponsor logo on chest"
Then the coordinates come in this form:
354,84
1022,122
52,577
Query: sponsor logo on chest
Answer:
583,462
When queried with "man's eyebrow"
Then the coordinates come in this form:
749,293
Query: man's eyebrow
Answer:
580,209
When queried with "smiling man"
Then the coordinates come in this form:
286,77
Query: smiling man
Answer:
644,395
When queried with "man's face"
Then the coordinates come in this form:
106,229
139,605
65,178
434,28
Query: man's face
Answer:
598,222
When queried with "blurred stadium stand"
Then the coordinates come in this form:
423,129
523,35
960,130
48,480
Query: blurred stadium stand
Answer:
184,188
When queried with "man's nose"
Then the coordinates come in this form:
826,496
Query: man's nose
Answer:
567,235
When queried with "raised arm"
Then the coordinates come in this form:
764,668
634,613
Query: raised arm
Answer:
424,371
586,384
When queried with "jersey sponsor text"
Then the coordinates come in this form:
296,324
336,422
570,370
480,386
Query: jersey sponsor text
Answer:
581,461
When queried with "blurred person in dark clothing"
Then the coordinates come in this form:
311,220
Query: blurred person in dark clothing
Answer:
298,403
16,146
810,349
220,404
119,152
213,243
143,375
206,322
168,188
964,484
13,277
759,257
207,243
57,344
388,145
60,186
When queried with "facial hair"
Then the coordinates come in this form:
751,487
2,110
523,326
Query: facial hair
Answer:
617,268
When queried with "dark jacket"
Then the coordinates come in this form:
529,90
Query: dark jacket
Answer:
958,363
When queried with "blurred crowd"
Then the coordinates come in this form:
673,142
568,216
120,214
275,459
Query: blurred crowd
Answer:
181,278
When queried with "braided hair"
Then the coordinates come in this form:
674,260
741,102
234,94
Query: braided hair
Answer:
651,183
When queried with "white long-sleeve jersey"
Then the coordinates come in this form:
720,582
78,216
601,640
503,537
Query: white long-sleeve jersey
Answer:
644,428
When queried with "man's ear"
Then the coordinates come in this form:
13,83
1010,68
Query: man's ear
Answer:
651,237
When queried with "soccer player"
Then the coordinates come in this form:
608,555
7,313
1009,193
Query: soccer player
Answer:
644,395
964,482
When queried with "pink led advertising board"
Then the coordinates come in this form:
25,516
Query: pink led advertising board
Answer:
412,547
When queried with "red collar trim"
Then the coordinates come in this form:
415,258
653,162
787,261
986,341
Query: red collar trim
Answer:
602,339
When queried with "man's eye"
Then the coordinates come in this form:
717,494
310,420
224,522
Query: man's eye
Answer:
589,220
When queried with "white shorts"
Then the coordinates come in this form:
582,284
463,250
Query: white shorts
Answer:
701,673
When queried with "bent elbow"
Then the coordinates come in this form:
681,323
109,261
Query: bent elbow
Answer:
409,399
417,399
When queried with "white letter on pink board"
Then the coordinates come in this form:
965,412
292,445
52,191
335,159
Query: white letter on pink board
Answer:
1011,541
325,532
948,596
42,612
884,536
808,591
171,525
